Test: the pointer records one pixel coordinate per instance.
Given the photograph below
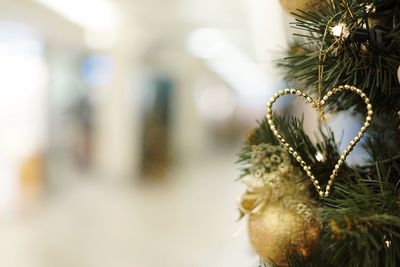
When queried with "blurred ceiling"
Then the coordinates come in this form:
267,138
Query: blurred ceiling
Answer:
171,21
161,21
245,34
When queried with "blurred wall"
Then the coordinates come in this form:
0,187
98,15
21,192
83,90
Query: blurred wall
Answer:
218,55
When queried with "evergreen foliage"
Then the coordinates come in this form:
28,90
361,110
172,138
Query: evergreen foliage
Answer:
368,66
361,217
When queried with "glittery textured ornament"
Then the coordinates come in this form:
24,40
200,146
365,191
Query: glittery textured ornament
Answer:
272,178
275,231
293,5
281,213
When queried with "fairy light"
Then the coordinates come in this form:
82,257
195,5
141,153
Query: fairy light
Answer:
341,31
319,157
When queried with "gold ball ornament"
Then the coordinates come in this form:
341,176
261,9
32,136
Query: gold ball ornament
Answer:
275,231
293,5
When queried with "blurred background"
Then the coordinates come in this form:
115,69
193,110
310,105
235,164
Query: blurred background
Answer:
120,123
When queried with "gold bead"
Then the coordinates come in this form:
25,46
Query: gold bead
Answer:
270,122
322,102
309,99
369,106
347,86
370,112
276,95
286,91
368,118
329,93
328,187
292,91
298,93
298,159
321,193
366,124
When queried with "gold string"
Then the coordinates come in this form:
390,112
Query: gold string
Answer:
321,61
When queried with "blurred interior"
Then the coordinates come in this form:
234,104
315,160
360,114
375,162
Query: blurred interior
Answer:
120,122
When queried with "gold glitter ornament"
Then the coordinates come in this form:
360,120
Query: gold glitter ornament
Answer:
272,178
276,231
293,5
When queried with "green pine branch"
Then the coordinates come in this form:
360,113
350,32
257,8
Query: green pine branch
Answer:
361,217
360,64
362,214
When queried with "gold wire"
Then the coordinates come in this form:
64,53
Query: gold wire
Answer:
321,62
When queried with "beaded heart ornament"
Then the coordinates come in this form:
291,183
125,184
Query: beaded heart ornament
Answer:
318,106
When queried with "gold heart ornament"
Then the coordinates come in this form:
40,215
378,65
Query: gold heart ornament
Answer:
318,106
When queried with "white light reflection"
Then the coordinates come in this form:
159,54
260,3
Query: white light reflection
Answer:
244,75
319,157
22,106
99,18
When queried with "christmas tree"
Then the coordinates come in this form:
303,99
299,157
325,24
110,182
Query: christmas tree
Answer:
305,205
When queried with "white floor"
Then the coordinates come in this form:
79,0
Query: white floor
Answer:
188,221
